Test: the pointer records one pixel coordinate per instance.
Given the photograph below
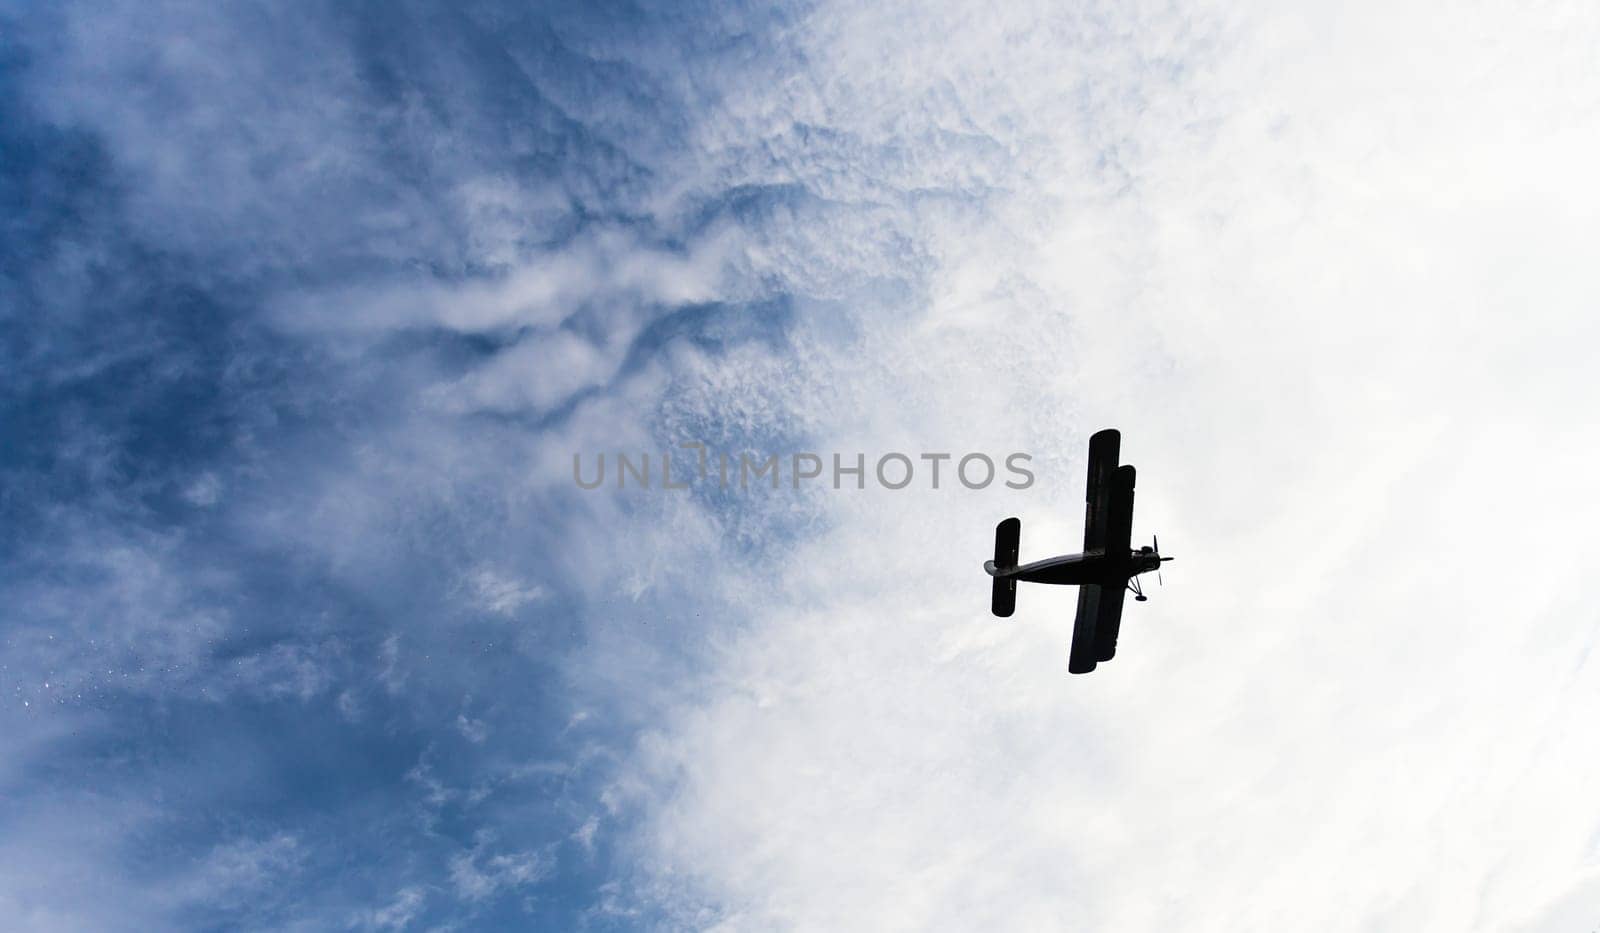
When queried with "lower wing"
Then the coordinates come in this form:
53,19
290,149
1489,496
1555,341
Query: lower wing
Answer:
1094,631
1082,659
1109,621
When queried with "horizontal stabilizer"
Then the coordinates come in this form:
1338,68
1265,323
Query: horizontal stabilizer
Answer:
1007,540
1004,599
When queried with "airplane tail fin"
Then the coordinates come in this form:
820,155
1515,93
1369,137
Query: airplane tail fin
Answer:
1007,539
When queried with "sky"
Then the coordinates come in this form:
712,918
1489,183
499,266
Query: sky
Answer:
305,312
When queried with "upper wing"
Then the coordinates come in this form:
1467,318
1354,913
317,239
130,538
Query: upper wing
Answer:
1108,620
1119,512
1104,448
1107,528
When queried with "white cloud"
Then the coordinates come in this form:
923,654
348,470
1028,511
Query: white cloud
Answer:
1328,270
397,914
473,730
495,592
205,491
541,290
240,869
584,837
480,874
535,376
283,671
1329,276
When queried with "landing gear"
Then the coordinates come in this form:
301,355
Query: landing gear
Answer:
1138,592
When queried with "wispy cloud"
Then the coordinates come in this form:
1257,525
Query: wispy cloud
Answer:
1335,321
482,873
305,315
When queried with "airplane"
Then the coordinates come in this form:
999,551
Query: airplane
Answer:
1104,573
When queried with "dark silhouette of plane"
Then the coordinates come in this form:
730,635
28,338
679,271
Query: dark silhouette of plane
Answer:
1106,570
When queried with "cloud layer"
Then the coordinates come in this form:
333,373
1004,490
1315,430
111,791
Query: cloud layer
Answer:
308,626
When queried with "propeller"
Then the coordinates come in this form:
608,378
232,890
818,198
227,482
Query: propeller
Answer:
1155,545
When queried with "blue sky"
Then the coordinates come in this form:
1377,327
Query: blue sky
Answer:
287,642
304,313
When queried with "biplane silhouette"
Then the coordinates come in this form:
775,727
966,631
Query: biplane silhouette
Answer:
1106,571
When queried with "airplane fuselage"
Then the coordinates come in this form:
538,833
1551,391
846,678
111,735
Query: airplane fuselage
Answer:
1079,569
